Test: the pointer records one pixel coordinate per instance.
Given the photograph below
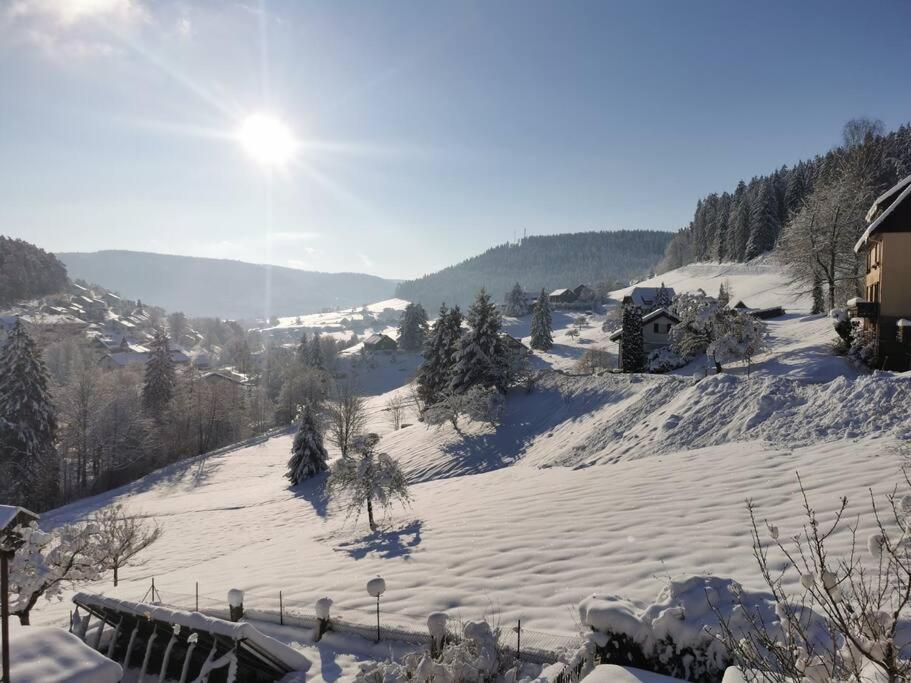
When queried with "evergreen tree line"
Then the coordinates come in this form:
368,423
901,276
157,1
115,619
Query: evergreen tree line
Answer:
798,208
27,272
548,261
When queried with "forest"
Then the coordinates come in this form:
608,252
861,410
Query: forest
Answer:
548,261
27,272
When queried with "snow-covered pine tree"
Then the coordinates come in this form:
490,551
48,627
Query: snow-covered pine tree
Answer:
515,302
29,469
308,454
541,324
724,296
632,352
315,353
663,297
160,377
481,358
412,328
764,223
303,350
433,374
818,299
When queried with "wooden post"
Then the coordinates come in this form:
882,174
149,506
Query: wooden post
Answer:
377,618
4,612
281,609
197,596
519,639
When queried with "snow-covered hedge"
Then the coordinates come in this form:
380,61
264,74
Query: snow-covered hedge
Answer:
677,634
664,359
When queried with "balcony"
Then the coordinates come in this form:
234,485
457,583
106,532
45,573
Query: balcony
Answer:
861,308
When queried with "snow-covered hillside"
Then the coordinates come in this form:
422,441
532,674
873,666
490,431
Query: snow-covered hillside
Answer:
597,483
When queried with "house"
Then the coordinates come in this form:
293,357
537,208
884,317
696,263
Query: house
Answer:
514,347
759,313
650,298
562,296
584,293
656,328
886,246
380,342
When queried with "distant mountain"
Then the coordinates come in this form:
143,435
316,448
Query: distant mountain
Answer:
223,288
548,261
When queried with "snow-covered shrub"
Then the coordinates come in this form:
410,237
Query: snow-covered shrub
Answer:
679,634
664,359
593,360
852,619
484,404
474,658
738,337
863,346
841,321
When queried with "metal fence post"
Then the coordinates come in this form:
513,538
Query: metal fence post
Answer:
519,639
197,596
281,609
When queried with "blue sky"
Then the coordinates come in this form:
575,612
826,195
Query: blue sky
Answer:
429,131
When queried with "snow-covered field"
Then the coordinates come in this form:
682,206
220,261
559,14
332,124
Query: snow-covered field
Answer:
605,484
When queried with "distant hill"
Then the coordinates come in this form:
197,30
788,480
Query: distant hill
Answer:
27,272
548,261
223,288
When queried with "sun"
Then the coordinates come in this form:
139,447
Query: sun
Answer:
267,139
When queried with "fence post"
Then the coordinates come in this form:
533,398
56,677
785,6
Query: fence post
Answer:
519,639
197,596
281,609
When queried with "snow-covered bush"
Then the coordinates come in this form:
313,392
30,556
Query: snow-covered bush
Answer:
863,346
474,658
484,404
680,634
664,359
593,360
738,337
852,619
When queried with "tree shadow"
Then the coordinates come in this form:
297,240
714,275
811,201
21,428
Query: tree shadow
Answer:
313,490
386,543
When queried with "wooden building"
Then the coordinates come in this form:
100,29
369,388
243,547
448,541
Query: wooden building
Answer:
886,246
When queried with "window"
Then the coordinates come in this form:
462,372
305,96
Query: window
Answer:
668,327
656,328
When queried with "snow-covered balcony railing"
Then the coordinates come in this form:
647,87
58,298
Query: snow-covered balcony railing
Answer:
186,645
861,308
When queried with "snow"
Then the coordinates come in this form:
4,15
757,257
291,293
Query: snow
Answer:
611,673
46,654
598,484
906,183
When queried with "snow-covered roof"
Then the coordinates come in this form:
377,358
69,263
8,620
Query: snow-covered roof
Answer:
9,513
874,226
377,338
238,631
560,292
904,182
645,296
47,654
616,334
660,313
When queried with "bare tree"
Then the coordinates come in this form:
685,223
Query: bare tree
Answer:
395,406
123,537
346,416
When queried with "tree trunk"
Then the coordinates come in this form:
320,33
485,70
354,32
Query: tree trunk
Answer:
370,514
116,568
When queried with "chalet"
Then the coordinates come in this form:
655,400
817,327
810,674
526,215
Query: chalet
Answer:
380,342
886,305
514,347
656,328
759,313
650,298
562,296
584,293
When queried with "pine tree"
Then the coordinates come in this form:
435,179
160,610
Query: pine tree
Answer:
315,353
303,350
515,302
29,472
308,454
819,305
764,224
160,377
663,297
439,352
541,324
481,358
413,328
724,296
632,352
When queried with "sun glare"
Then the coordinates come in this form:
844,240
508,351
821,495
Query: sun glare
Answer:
267,140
